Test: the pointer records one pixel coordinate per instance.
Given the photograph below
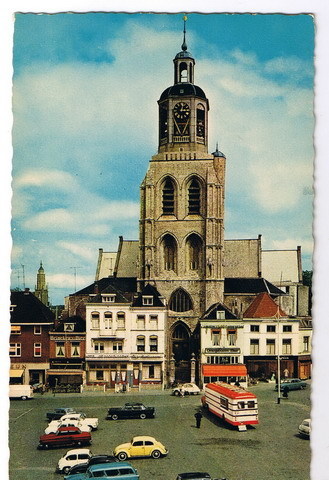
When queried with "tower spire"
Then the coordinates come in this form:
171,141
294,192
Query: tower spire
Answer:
184,46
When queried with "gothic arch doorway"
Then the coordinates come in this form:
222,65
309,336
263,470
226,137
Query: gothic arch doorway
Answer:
180,340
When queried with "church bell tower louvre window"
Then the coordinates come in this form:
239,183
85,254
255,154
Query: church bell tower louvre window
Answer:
194,192
169,247
168,197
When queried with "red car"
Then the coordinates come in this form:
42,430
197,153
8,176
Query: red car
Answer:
65,436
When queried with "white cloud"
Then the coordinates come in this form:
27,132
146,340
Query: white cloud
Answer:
52,179
83,251
292,243
59,280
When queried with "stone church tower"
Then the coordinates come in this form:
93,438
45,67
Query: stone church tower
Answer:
41,288
182,210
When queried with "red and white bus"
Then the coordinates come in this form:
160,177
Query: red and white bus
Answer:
232,403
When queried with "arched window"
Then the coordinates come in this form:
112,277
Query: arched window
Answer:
108,320
180,301
194,197
153,343
121,321
168,197
183,72
194,252
200,121
169,252
140,343
95,320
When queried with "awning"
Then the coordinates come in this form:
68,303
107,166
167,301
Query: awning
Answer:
64,372
16,373
224,370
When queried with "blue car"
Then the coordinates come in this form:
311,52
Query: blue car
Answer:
119,470
291,384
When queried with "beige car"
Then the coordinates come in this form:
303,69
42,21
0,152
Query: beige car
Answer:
142,446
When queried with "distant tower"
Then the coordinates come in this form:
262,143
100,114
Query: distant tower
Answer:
41,289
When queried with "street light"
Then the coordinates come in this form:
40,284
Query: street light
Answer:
277,316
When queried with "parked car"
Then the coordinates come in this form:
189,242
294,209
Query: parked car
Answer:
91,422
56,424
304,428
141,446
65,436
72,458
121,471
58,413
80,468
130,410
186,389
292,384
94,460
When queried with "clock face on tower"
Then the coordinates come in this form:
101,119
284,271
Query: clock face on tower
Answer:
181,111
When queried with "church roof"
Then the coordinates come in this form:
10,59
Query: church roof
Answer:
182,90
263,307
250,286
124,284
27,308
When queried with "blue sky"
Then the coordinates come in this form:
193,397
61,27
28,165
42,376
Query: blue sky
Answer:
85,127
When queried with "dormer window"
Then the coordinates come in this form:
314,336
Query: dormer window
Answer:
220,315
68,327
147,300
108,297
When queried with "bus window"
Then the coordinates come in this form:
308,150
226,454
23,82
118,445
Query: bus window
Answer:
224,402
241,405
251,404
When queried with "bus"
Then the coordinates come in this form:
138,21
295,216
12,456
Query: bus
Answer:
232,403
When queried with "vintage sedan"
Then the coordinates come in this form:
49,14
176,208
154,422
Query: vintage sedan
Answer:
65,436
72,458
141,446
304,428
186,389
56,424
91,422
58,413
130,410
292,384
121,471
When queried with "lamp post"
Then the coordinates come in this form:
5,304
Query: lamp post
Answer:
277,315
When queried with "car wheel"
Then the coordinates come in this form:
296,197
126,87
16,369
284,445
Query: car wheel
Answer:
176,393
79,444
23,397
156,454
65,470
45,445
115,417
142,416
122,456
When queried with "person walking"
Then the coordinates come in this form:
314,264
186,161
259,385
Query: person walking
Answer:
198,416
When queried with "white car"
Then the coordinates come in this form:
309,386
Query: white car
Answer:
91,421
55,424
186,389
73,457
305,428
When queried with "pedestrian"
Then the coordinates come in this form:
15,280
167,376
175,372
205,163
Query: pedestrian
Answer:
286,373
182,392
285,392
198,416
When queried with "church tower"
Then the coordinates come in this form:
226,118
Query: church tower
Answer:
41,289
182,209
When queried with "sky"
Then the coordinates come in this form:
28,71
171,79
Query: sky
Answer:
85,91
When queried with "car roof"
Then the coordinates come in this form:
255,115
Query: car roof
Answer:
194,475
77,451
107,466
143,437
